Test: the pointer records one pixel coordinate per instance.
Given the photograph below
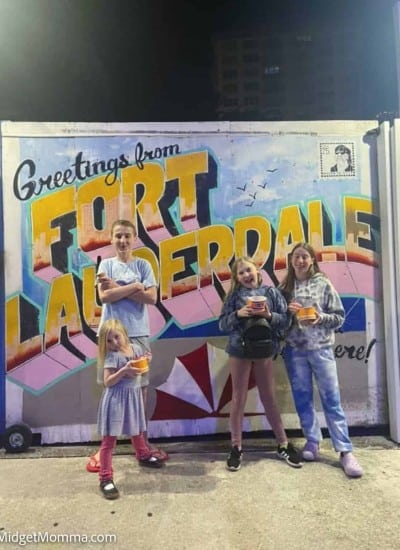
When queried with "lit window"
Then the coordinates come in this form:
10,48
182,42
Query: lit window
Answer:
272,69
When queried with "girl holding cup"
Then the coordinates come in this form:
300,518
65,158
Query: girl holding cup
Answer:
243,302
309,354
121,408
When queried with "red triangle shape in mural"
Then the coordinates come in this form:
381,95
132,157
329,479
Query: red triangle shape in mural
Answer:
169,407
226,394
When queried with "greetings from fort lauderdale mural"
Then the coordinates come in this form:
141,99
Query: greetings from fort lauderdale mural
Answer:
198,199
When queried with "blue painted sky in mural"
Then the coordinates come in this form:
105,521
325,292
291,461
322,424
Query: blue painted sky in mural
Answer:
288,171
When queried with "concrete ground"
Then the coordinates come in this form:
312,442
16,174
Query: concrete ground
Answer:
195,503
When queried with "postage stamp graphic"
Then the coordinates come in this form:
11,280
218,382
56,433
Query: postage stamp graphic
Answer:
337,159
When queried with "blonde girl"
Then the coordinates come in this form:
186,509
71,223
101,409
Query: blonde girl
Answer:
121,408
246,281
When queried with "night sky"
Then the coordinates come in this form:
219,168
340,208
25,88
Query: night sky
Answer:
151,60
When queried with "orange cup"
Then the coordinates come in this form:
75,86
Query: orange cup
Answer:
140,363
306,314
257,302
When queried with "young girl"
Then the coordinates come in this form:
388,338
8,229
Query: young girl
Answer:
309,352
246,282
121,409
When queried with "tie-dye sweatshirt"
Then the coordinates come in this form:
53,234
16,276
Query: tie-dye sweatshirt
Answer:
319,292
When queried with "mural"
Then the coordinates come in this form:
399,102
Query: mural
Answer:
198,200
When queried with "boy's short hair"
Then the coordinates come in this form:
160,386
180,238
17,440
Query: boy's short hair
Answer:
125,223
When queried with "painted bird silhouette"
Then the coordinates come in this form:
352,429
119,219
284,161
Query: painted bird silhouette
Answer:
251,204
272,171
253,195
242,188
263,185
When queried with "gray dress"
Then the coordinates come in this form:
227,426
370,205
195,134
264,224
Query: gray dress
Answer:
121,410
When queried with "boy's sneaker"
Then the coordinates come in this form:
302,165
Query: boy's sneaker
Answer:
310,451
290,454
234,459
109,490
350,465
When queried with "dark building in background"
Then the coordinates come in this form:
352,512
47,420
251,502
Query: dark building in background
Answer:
312,74
179,61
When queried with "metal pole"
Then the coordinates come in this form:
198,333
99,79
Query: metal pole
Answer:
2,307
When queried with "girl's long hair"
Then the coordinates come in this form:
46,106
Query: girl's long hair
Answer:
109,324
287,285
234,269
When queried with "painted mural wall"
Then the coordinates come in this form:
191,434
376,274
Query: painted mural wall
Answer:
200,194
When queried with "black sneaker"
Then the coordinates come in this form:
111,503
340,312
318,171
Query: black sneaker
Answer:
109,490
290,454
151,462
234,459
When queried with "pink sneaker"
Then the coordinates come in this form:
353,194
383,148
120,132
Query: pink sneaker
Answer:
310,451
350,465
